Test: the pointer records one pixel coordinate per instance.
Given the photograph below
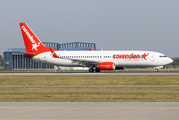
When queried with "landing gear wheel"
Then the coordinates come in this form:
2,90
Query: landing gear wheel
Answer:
156,70
91,70
97,70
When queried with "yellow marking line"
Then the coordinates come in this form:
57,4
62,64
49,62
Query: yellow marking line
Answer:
85,108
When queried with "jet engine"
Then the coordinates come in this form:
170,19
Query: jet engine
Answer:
106,66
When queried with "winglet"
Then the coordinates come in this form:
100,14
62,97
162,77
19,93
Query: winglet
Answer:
53,53
91,48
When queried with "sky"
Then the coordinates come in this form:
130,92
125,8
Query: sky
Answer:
151,25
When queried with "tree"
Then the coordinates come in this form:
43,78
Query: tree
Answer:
175,61
1,60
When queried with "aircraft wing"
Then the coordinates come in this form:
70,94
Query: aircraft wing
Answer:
79,61
85,62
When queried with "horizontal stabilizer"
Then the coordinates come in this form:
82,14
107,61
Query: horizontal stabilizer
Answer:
24,53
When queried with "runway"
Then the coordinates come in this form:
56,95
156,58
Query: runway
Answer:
89,110
77,73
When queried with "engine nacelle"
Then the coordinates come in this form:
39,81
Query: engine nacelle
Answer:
106,66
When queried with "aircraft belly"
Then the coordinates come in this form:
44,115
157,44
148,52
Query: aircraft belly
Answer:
62,62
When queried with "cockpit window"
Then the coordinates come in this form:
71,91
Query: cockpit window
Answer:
162,56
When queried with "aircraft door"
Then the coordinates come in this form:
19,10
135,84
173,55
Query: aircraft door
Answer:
152,57
101,57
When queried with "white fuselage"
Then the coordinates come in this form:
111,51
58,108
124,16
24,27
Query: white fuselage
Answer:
120,58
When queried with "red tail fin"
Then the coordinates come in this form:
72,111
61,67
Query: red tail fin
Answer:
32,43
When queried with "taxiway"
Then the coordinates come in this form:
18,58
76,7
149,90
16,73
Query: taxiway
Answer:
89,110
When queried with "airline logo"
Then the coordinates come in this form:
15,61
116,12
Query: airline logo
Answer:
34,44
131,56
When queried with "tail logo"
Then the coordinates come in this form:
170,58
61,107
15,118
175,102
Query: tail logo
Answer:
34,45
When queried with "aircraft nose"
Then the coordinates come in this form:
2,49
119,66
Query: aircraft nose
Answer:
170,60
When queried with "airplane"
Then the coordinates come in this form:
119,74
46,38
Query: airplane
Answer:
94,60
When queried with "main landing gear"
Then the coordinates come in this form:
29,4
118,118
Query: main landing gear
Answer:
97,70
156,70
92,70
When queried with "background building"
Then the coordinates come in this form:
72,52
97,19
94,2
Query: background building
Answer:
18,61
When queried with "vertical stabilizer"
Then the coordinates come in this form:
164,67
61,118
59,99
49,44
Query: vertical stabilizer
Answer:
32,43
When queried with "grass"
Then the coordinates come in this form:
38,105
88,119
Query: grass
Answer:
89,94
88,80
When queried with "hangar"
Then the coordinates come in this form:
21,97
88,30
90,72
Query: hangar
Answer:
14,60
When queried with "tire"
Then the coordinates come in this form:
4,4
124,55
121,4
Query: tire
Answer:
91,70
97,70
